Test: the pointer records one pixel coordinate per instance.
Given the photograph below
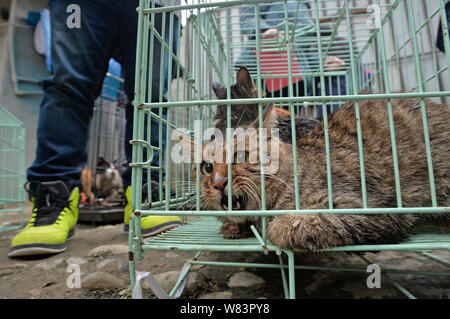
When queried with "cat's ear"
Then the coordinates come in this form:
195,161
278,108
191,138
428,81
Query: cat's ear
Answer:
219,90
243,78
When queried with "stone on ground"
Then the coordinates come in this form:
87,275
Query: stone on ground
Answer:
245,279
100,280
108,249
52,264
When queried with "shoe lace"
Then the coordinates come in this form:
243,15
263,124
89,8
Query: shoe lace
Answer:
48,208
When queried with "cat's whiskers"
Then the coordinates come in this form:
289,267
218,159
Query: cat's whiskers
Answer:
251,192
203,198
274,177
182,185
255,187
185,202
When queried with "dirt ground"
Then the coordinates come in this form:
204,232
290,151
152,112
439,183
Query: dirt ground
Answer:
47,276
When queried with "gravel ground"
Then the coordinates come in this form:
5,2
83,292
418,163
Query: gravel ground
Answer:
100,254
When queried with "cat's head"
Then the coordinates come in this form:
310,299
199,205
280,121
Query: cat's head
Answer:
111,172
245,155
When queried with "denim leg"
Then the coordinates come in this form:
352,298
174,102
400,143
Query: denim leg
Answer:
337,87
128,35
79,59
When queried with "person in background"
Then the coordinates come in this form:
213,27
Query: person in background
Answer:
304,60
440,37
80,56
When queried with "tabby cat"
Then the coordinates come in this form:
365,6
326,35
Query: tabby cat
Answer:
313,232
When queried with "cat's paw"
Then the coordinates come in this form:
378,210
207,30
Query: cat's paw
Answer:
231,230
302,233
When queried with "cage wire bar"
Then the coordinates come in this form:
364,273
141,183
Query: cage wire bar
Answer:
388,51
107,129
12,171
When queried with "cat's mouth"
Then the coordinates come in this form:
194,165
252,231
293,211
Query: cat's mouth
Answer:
238,202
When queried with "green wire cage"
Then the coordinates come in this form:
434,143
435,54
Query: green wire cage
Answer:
12,171
385,47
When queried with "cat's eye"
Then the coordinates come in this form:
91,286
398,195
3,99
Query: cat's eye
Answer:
206,168
240,157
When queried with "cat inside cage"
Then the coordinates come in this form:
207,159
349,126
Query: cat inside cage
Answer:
358,114
351,153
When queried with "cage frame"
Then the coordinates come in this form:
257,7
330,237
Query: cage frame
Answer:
12,202
186,237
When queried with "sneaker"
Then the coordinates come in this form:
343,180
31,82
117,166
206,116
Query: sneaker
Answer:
53,219
150,225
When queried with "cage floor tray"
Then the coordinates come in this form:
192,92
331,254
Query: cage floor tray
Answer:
203,233
101,214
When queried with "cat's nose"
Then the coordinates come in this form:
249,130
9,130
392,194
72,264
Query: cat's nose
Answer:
220,183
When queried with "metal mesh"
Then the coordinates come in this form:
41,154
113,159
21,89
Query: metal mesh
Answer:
107,129
12,171
386,47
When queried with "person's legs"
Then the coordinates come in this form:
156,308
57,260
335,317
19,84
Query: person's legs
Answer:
128,41
79,61
334,86
158,62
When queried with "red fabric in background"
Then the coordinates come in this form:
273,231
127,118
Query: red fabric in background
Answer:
276,63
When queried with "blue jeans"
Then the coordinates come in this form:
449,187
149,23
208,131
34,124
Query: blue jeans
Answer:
80,60
334,85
